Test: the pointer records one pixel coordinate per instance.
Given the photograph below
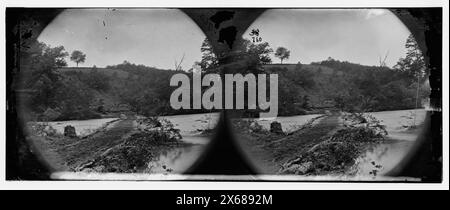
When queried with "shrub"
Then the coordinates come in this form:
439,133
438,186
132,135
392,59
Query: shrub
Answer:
133,154
248,126
339,151
42,129
372,124
164,126
50,115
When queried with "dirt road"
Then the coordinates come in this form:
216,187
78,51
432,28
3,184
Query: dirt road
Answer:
269,152
76,151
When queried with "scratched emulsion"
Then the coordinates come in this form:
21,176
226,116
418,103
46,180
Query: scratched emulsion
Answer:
227,35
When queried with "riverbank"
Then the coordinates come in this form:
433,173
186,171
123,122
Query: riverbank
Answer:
269,151
67,153
330,145
121,145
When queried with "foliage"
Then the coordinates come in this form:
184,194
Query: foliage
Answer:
40,74
146,90
248,58
42,129
137,150
259,52
78,57
373,126
370,88
96,80
414,63
209,61
282,53
338,152
164,126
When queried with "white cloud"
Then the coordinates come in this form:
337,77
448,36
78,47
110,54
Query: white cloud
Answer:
375,12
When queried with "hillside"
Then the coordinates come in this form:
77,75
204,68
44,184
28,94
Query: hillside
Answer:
333,84
303,89
108,71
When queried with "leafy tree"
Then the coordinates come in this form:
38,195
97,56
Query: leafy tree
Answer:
209,60
78,57
73,99
252,57
413,65
96,80
261,51
42,75
249,57
282,53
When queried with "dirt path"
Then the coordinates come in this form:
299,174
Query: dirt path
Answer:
289,146
82,150
270,151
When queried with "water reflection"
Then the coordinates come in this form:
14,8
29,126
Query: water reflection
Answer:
380,159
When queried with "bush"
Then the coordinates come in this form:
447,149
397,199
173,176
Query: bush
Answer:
133,154
339,151
42,129
356,134
163,126
249,126
367,122
49,115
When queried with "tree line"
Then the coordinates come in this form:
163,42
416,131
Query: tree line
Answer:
302,89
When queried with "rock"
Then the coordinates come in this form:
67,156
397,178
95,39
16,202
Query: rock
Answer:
123,117
275,127
255,127
49,131
70,131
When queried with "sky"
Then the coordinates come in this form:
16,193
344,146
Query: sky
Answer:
355,35
159,37
156,37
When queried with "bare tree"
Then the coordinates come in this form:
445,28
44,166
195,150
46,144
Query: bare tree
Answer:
383,62
178,64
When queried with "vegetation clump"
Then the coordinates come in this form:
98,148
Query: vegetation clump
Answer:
42,129
137,150
338,152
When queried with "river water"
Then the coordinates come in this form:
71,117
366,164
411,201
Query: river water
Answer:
381,158
377,160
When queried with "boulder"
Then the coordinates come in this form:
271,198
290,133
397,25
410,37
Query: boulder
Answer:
70,131
275,127
123,117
